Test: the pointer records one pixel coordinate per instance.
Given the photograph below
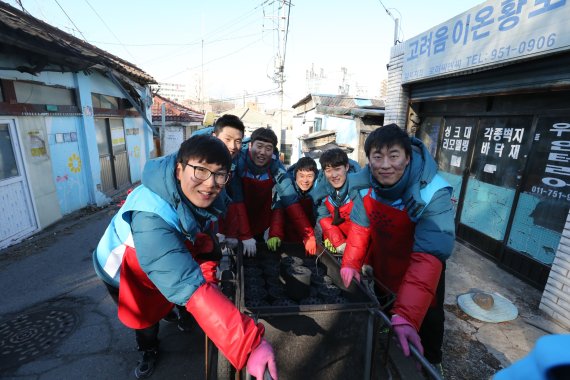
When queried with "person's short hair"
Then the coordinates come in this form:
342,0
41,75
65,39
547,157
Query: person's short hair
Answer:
264,134
333,158
386,137
307,164
205,148
228,120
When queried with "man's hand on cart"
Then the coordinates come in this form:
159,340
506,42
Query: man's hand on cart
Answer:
406,333
249,247
328,245
260,358
231,243
347,274
273,243
311,245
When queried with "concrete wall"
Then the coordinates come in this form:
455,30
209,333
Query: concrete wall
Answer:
556,297
397,102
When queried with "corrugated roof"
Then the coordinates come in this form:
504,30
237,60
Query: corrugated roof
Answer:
46,46
341,101
174,111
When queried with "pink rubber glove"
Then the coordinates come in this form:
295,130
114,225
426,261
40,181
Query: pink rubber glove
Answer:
406,333
262,356
347,274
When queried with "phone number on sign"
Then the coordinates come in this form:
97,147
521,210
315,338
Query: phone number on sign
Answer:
550,193
533,44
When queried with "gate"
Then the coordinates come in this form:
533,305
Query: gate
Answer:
113,156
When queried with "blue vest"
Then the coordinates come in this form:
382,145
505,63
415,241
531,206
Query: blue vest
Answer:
108,256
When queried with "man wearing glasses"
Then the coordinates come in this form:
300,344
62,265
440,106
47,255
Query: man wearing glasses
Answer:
143,257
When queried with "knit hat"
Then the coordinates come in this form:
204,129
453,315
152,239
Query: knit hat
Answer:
487,307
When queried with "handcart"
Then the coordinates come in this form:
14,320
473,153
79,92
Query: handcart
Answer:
318,328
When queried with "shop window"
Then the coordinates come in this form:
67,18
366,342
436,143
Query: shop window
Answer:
495,172
457,138
31,93
429,133
544,200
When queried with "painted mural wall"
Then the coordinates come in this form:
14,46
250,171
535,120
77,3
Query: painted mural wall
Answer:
68,165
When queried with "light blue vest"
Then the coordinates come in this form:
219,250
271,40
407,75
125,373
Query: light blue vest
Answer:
108,256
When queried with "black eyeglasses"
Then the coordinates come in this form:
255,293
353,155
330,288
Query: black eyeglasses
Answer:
203,174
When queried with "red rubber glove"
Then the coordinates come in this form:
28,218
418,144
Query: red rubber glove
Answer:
262,356
311,245
347,274
406,333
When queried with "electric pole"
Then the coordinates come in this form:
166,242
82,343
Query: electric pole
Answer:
282,30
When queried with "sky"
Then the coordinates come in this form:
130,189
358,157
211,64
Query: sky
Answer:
227,49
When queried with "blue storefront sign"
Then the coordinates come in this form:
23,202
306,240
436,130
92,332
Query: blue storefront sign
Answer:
496,31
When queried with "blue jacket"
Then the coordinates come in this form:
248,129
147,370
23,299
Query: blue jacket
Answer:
550,352
275,171
323,190
156,220
425,195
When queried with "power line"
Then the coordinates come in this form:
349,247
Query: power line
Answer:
70,20
213,60
260,93
109,29
397,25
181,44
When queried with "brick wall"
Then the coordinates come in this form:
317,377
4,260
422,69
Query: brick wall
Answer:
556,297
397,97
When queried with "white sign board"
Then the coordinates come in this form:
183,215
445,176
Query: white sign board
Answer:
171,140
493,32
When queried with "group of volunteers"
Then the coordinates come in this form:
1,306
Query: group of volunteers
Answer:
160,251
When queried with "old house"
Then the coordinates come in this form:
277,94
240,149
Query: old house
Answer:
323,119
174,122
74,124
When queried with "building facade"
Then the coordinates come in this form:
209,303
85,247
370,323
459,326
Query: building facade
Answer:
74,124
487,91
346,121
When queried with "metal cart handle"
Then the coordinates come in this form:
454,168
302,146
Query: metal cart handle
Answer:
415,353
266,375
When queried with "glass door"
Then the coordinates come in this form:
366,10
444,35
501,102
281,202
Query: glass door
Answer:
544,200
495,173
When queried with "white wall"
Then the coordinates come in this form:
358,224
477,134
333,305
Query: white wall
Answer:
397,102
556,297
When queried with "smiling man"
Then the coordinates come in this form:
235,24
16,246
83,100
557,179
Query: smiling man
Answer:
146,257
303,175
332,198
402,225
258,175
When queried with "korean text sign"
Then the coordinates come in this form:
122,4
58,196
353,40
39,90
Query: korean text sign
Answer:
493,32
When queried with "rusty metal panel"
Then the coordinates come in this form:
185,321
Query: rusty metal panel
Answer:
122,170
106,173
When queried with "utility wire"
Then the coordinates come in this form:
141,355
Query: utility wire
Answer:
109,29
213,60
393,18
182,44
70,20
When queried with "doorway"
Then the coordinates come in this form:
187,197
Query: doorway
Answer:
18,215
113,157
